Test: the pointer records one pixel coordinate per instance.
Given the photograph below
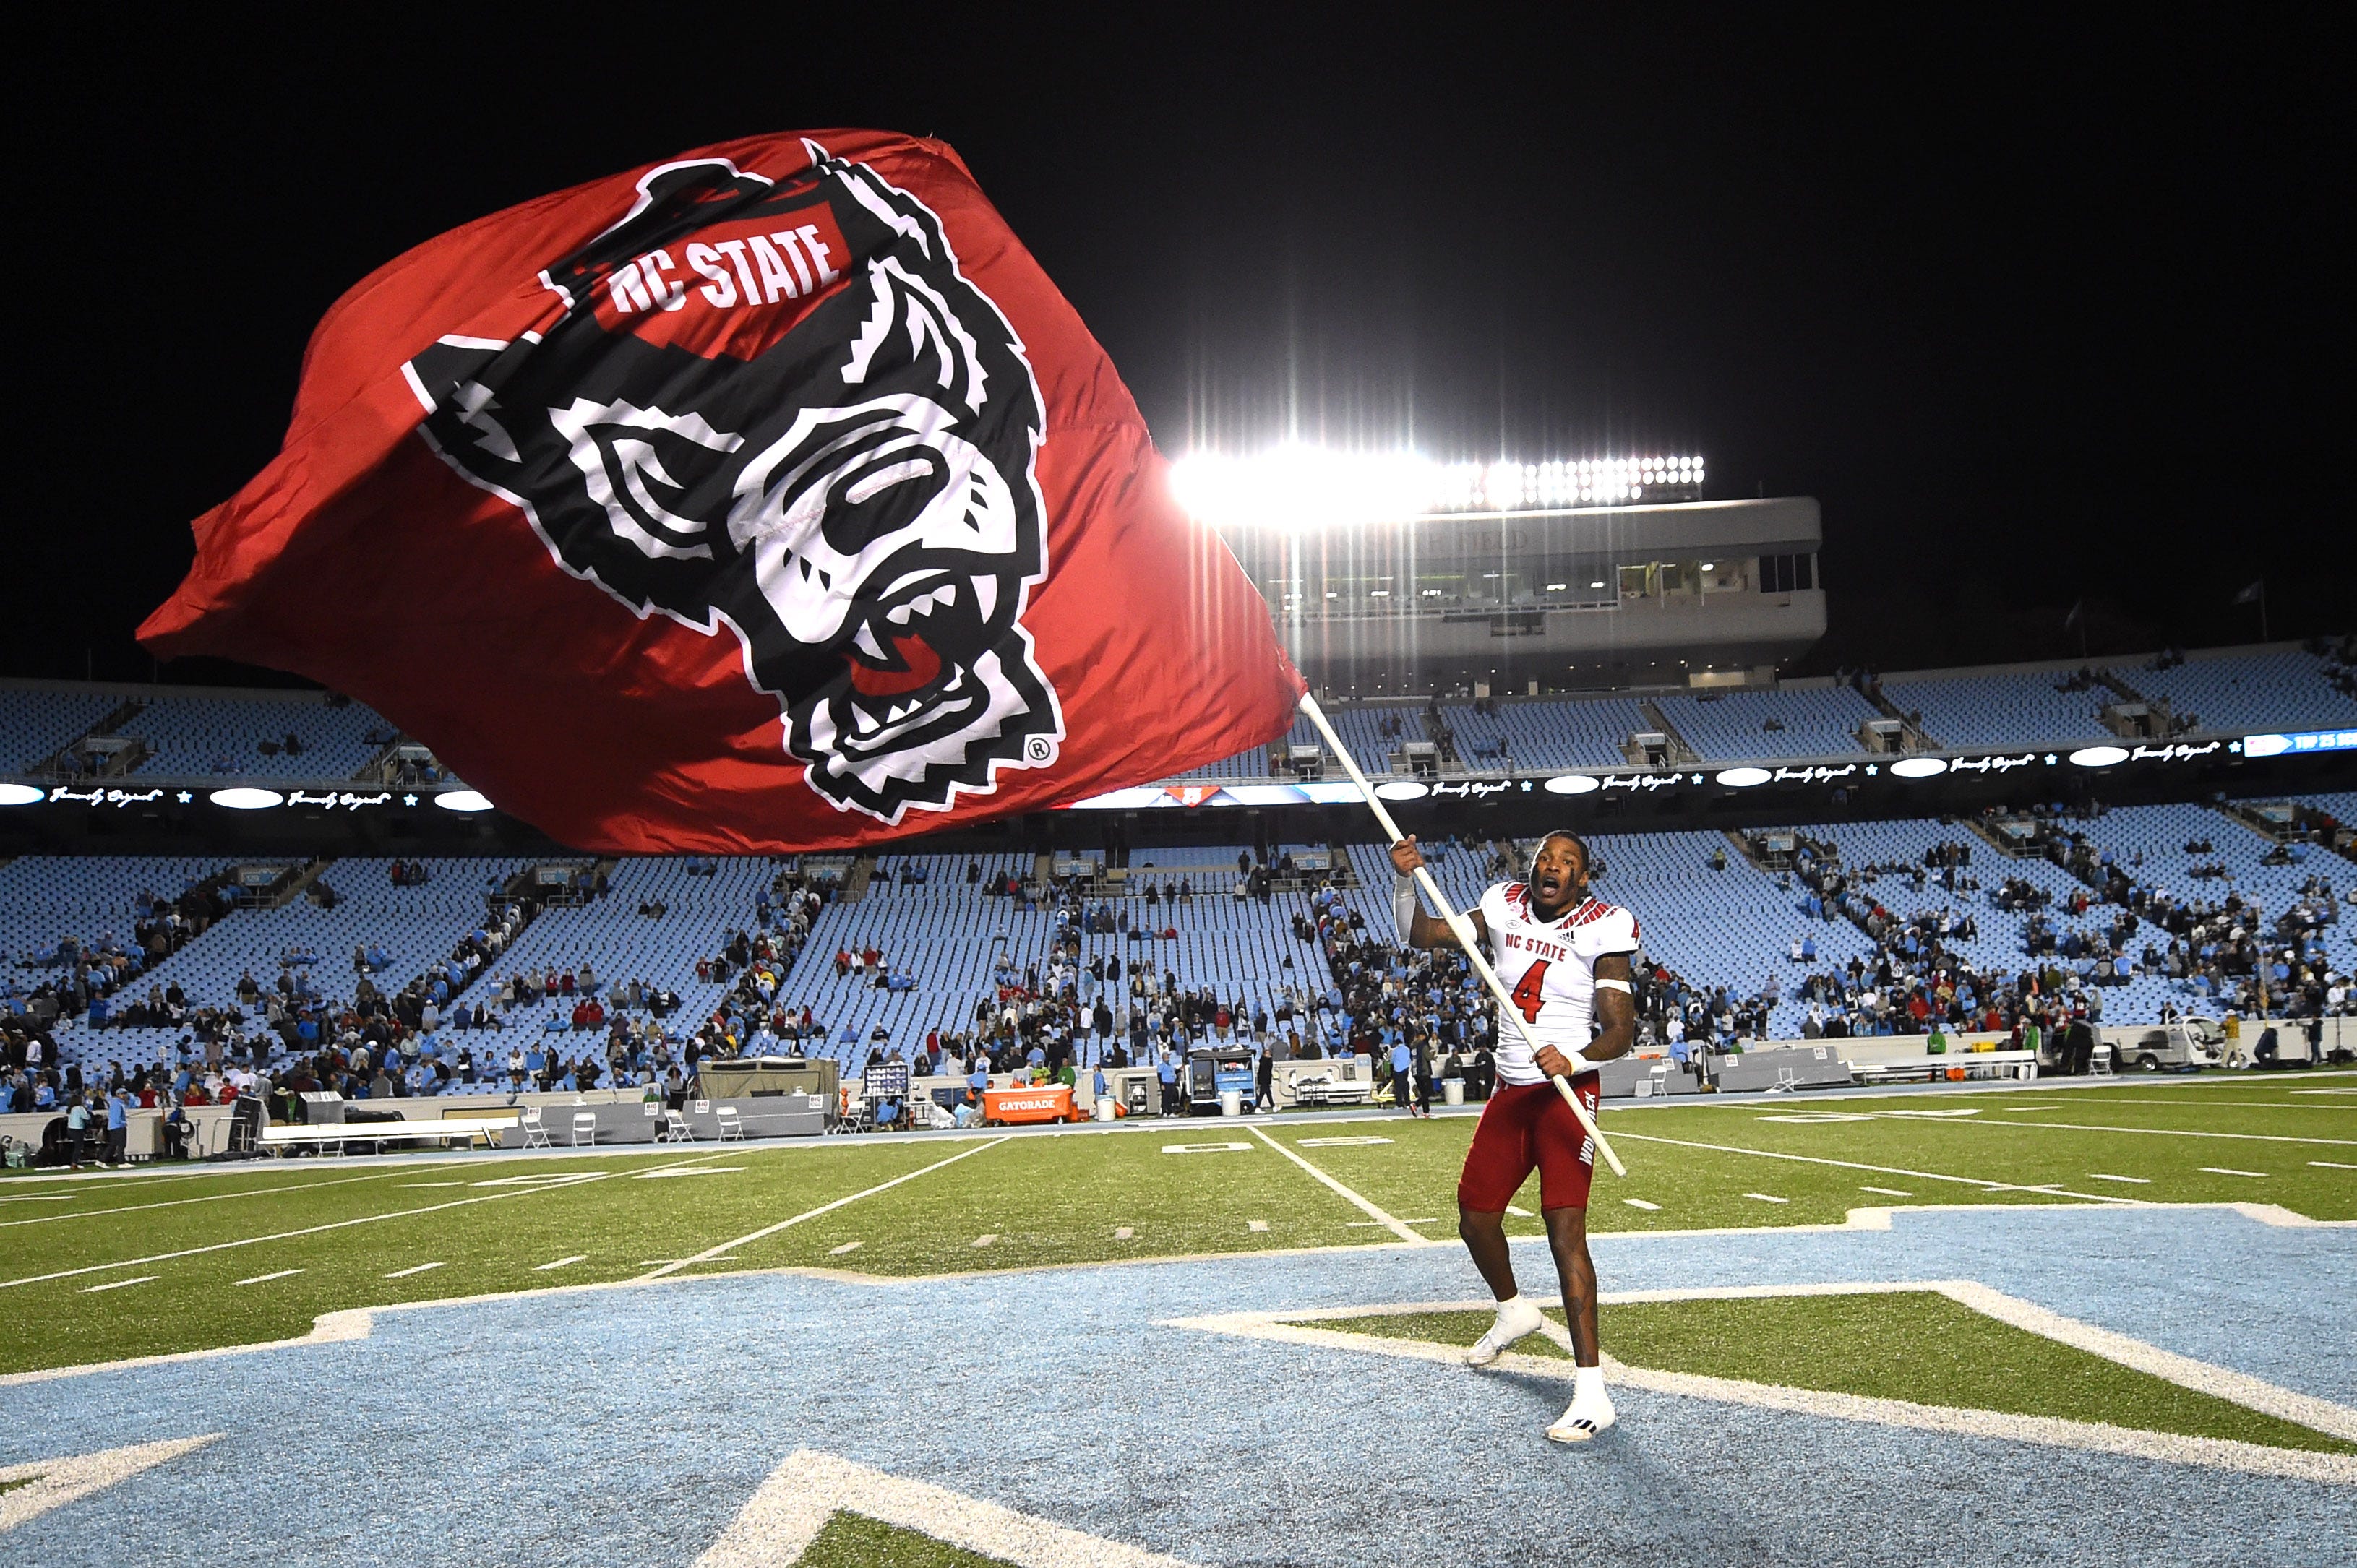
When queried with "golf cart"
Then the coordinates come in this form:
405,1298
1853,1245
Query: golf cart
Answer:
2181,1046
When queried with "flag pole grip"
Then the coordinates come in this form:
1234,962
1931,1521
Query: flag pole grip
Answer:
1459,927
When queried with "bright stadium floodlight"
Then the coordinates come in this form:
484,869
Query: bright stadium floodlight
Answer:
14,794
245,798
1298,488
463,800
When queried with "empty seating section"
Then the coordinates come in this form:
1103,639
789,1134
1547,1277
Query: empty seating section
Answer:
1586,733
1734,726
1253,764
1962,712
623,945
412,926
35,725
223,735
1362,730
1899,848
2242,692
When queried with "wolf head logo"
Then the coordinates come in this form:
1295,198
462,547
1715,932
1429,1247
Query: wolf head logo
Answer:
853,496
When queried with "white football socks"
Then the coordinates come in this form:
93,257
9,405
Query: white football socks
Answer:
1591,1407
1518,1317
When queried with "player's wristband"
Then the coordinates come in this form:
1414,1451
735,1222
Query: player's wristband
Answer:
1579,1064
1616,985
1404,907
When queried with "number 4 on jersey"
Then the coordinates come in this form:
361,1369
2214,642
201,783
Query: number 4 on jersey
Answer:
1529,995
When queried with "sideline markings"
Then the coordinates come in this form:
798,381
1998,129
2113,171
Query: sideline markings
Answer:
2224,1170
1986,1186
1766,1197
719,1253
1396,1226
265,1279
1640,1203
835,1251
30,1490
307,1231
1888,1191
2304,1410
2106,1175
171,1202
561,1263
118,1284
415,1269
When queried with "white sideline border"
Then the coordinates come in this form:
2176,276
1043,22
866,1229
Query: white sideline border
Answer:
57,1482
356,1323
2250,1459
790,1509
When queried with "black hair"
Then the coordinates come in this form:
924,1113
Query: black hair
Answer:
1587,856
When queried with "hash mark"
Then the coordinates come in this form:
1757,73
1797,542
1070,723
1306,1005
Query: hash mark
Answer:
2139,1181
1888,1191
986,1239
1766,1197
1640,1203
561,1263
2222,1170
265,1279
1257,1225
118,1284
405,1274
847,1247
1123,1234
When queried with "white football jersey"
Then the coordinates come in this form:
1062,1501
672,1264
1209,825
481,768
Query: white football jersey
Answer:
1550,967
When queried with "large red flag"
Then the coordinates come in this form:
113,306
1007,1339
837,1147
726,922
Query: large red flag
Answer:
767,498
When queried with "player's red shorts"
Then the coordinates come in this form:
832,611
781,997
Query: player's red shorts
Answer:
1525,1125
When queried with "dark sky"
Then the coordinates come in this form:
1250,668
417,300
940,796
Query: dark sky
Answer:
2039,311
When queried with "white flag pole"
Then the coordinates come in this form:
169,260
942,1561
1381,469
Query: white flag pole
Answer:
1459,927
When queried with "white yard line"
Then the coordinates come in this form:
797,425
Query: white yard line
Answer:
561,1263
118,1284
176,1202
1879,1170
2332,1166
1766,1197
306,1231
2166,1133
265,1279
1396,1226
1888,1191
831,1251
1640,1203
711,1253
414,1269
2225,1170
2106,1175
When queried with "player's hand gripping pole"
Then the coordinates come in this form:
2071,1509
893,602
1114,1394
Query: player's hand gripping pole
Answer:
1459,927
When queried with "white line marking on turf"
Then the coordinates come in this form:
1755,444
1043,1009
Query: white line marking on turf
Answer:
1259,1227
1123,1234
174,1202
1339,1142
2106,1175
1888,1191
417,1269
1206,1148
715,1255
986,1239
847,1247
561,1263
55,1482
408,1185
265,1279
2166,1133
118,1284
2332,1166
669,1171
1397,1227
786,1514
59,1198
1377,1224
307,1231
2224,1170
1520,1213
1766,1197
1880,1170
1640,1203
2216,1453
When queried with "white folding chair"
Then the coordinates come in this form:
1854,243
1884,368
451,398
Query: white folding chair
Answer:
731,1125
584,1122
535,1136
676,1129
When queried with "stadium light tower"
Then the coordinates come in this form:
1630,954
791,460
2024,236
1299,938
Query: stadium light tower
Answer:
1302,489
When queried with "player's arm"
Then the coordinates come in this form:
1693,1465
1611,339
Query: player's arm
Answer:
1616,1009
1415,927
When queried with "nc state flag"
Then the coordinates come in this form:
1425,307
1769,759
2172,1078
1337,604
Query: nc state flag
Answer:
770,498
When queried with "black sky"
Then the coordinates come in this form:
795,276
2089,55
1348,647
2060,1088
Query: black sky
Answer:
2041,311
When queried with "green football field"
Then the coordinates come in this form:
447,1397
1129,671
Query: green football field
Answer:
98,1269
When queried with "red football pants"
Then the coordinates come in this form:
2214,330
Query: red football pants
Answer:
1527,1125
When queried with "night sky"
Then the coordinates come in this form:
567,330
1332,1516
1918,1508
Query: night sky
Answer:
2039,313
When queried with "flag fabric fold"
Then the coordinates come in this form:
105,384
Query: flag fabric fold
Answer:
769,497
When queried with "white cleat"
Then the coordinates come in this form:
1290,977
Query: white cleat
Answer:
1587,1416
1517,1319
